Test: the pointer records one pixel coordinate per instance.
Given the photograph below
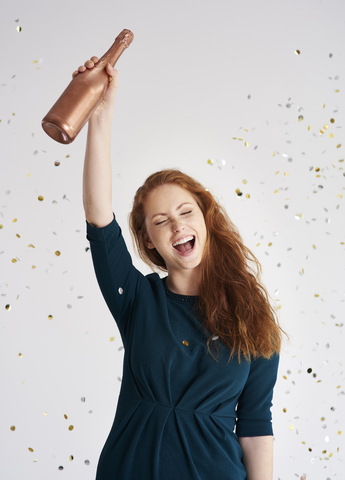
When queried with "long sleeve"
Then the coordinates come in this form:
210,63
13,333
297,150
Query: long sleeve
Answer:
254,417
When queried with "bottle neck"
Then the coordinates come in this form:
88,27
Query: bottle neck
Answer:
122,41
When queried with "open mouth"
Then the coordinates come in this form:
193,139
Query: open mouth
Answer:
185,244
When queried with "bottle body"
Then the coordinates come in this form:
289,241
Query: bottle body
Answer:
82,96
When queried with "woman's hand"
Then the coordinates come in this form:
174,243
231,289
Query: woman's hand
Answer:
107,104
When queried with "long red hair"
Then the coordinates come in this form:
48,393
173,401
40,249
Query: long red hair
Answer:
232,301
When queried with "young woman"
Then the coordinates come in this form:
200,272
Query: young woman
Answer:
201,344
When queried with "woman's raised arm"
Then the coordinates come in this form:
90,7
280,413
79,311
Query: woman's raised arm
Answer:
97,177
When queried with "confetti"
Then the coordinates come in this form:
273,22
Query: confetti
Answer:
209,161
60,467
19,29
300,118
297,52
14,260
87,462
71,457
20,355
8,307
56,163
339,145
12,428
70,428
83,399
50,317
57,253
40,198
30,449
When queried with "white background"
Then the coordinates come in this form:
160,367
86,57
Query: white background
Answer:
197,75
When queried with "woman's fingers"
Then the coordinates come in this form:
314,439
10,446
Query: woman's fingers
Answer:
88,64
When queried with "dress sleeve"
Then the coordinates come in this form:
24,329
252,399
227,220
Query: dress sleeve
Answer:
118,279
254,417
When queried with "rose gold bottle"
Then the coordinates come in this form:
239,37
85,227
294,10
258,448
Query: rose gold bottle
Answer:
73,109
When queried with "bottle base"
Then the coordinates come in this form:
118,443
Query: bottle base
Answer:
56,133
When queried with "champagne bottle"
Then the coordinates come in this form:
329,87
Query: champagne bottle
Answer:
82,96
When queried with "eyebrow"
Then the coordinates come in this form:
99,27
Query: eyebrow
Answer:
177,208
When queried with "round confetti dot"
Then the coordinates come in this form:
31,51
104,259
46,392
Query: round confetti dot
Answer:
1,226
50,317
111,339
330,135
300,118
8,307
247,195
120,290
210,162
297,52
70,428
60,467
14,260
332,120
40,198
19,29
284,410
12,428
57,253
20,355
56,163
87,462
215,337
65,416
339,145
30,449
309,370
71,457
82,399
185,343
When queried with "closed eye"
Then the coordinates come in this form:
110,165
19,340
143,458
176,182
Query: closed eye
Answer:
185,213
160,223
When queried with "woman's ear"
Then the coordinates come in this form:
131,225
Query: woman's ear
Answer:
148,242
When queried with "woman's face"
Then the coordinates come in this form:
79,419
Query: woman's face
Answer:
175,226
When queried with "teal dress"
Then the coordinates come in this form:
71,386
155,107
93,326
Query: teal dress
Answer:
179,412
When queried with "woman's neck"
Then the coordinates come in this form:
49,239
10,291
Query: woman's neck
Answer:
185,282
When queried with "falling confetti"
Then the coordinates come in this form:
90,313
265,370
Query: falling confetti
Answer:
8,307
56,163
12,428
57,253
297,52
19,29
40,198
70,428
50,317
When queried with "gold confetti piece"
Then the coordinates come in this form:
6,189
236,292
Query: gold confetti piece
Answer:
323,106
57,253
337,91
297,52
70,428
50,317
303,271
31,246
291,427
276,191
314,247
20,355
33,266
210,162
14,220
35,61
286,174
323,419
300,118
30,449
40,198
340,195
270,244
276,173
65,416
71,457
304,443
309,128
14,260
8,307
339,432
185,343
56,163
324,451
67,156
247,195
273,154
240,139
111,339
322,131
325,126
45,414
258,244
316,295
1,226
317,169
285,377
339,145
12,428
28,175
17,235
284,410
330,455
19,29
332,120
246,144
330,135
244,181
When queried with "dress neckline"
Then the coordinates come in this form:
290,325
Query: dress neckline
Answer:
177,296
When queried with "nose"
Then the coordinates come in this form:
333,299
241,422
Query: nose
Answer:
177,225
